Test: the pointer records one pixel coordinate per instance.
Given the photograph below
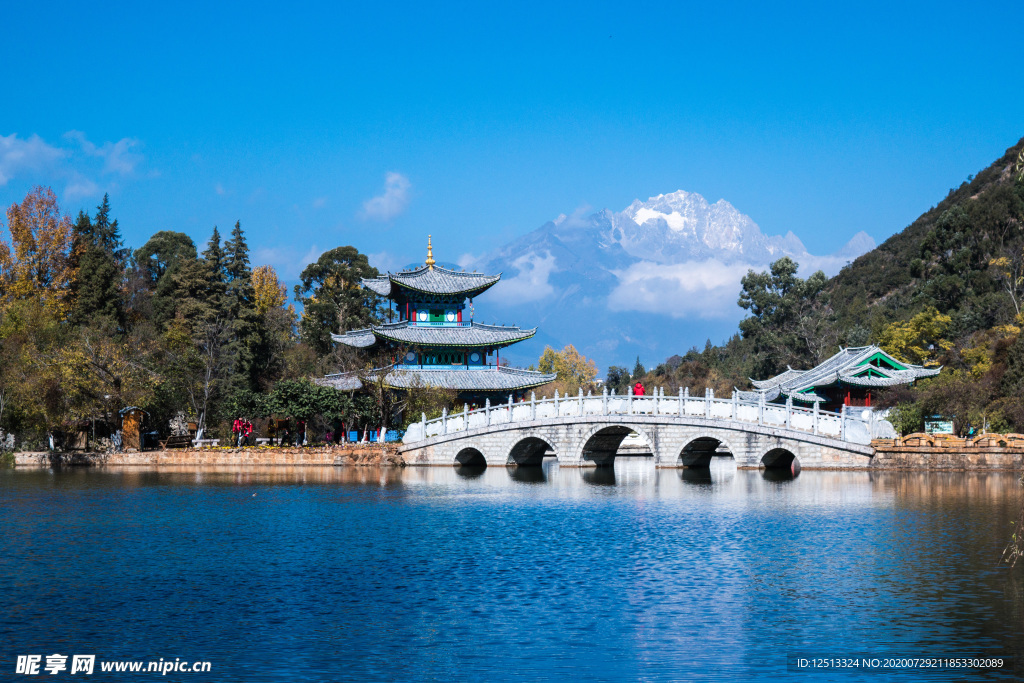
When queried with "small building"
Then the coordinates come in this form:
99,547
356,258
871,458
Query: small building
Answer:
436,341
852,377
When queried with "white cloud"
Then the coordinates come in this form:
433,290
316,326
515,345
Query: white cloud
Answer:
319,202
32,154
118,157
80,187
530,283
85,166
392,202
219,189
703,289
384,261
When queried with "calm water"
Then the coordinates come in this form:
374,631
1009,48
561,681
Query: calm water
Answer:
431,574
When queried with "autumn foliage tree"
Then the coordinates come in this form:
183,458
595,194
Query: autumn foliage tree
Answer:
575,371
36,264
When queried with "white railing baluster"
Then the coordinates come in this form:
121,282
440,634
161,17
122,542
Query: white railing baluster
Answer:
444,420
465,417
816,403
604,400
630,401
487,410
533,406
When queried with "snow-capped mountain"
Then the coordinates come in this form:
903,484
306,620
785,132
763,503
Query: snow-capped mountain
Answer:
653,279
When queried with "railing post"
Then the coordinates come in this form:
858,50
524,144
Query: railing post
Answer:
655,400
789,412
581,401
682,409
604,400
630,400
816,404
487,410
556,402
842,423
735,408
707,403
533,405
760,408
510,408
423,421
444,420
465,417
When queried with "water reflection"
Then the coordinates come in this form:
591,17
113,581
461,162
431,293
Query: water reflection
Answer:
470,471
632,572
779,474
599,476
527,474
696,475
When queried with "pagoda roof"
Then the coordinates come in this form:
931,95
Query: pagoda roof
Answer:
432,280
866,366
472,335
490,378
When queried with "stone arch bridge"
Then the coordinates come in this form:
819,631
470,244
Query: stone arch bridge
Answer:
683,431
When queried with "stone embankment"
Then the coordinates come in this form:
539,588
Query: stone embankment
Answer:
355,455
947,452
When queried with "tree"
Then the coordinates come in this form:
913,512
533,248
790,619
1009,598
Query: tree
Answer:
574,370
638,369
617,378
786,316
1009,271
919,340
159,261
332,298
99,259
37,263
268,292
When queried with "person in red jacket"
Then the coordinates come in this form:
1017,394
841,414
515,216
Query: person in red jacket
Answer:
638,390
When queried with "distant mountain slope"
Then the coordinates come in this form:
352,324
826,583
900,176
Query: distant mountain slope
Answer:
641,281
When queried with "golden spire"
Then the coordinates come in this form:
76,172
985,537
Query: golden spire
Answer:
430,254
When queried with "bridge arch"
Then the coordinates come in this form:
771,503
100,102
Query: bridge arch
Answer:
697,453
470,457
600,444
780,459
529,451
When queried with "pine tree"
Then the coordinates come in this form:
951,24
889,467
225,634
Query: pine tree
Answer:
159,261
99,259
240,309
638,370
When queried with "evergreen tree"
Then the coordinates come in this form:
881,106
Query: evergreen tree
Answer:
638,369
243,319
159,261
332,298
98,256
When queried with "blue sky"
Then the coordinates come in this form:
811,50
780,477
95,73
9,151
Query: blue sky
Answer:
478,122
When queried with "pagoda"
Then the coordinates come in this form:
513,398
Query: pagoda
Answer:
850,377
435,341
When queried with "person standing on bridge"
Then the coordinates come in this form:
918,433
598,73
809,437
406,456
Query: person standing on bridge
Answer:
638,389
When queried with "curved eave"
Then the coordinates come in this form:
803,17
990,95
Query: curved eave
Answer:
454,342
483,380
378,285
359,339
471,292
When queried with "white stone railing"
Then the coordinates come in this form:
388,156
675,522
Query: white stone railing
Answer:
853,425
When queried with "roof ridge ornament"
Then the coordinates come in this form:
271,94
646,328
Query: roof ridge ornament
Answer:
430,254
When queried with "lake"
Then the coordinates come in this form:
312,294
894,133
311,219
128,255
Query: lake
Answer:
326,574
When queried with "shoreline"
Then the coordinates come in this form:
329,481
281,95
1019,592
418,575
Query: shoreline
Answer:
364,455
